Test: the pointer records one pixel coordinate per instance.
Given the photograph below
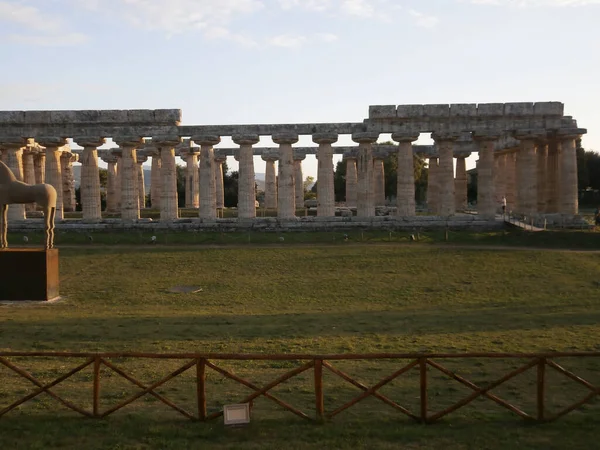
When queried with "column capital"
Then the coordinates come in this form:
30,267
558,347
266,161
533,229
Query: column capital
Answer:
246,139
352,154
365,137
205,139
220,158
166,141
118,152
324,138
89,141
269,157
52,141
405,137
285,138
109,158
572,133
380,154
13,143
443,136
530,134
462,155
141,159
486,136
298,155
128,141
187,152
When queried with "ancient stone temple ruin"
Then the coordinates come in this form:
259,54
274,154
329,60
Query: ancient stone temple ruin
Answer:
526,154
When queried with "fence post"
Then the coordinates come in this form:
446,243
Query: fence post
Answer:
541,388
201,387
96,399
423,388
319,400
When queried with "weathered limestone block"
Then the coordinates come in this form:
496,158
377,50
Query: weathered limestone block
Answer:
405,186
286,201
246,176
325,186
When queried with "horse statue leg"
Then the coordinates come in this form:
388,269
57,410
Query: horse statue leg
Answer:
50,227
3,225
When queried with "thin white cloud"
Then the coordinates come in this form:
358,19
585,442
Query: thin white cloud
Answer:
288,41
424,20
41,28
536,3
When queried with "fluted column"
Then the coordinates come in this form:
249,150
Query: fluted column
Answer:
219,181
486,204
53,170
298,178
552,178
13,154
192,181
351,179
286,199
118,153
378,180
155,179
461,184
499,177
445,145
28,173
569,203
141,159
527,174
541,169
208,194
130,202
90,179
365,200
168,173
39,164
511,181
270,181
325,186
68,182
405,186
432,186
246,176
112,205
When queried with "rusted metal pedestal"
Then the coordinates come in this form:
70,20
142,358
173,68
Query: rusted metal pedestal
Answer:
28,274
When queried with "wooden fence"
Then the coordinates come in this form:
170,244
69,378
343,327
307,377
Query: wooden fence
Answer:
200,363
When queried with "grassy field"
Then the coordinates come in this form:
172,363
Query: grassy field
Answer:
366,295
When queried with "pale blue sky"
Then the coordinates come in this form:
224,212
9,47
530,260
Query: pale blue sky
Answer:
280,61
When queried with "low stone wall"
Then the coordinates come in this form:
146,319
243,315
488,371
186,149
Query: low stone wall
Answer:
459,222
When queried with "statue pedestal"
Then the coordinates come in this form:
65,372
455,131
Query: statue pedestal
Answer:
28,274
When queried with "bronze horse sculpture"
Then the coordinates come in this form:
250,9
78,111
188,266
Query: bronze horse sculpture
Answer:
13,191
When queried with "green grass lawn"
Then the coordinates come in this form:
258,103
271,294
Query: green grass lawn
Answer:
349,297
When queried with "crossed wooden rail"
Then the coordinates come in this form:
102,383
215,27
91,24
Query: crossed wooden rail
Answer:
540,361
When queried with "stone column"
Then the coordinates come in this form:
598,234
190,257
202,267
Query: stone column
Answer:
270,181
286,199
298,178
192,181
246,176
432,186
351,179
39,164
219,184
112,205
68,183
208,188
90,179
499,177
168,173
551,185
542,166
445,145
378,180
527,174
511,180
155,179
141,159
325,187
461,184
130,204
486,204
13,158
365,200
568,199
118,153
28,172
53,170
405,186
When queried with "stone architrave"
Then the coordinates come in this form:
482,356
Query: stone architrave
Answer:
486,204
90,178
246,176
378,180
542,166
130,200
28,173
286,199
511,180
325,186
351,179
432,186
68,182
445,173
219,180
141,159
13,158
298,178
365,200
39,164
405,186
461,184
270,181
112,205
527,174
53,170
192,181
168,173
208,188
568,201
155,179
